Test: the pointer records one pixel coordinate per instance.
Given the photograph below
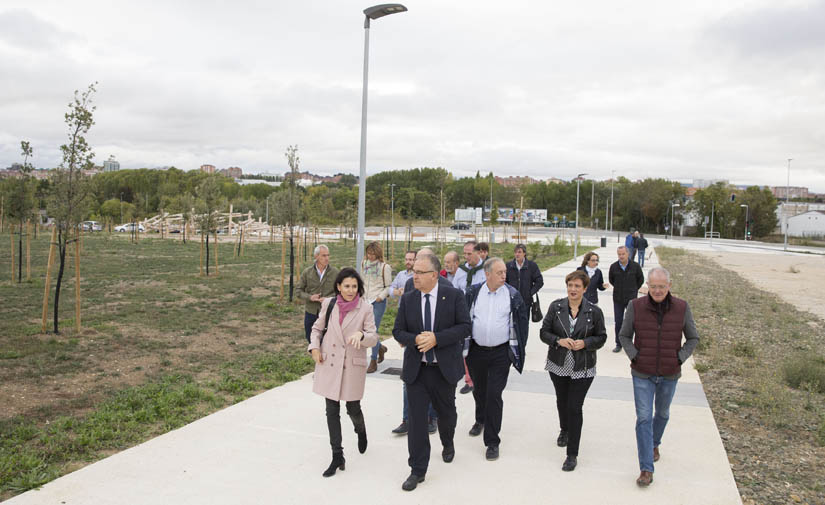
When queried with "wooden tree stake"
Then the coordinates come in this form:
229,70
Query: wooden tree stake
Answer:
283,261
11,240
77,280
28,252
216,253
48,279
201,270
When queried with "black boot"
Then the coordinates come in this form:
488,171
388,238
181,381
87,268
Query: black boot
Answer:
357,417
338,463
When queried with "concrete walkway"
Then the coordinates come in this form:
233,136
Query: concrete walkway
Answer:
272,448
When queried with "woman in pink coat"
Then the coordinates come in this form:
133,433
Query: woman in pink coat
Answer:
341,359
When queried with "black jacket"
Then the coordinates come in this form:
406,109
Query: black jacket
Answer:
452,324
626,283
641,243
596,285
528,281
589,327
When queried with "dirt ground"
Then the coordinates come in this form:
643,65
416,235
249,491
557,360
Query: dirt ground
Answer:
797,279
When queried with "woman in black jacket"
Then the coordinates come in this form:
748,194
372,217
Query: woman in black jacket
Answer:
574,330
590,266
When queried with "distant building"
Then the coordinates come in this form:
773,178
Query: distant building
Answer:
704,183
234,172
209,169
515,181
808,224
247,182
781,192
111,165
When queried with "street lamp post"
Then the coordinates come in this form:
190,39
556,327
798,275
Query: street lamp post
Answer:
374,12
121,208
392,216
671,218
576,244
787,199
746,219
612,177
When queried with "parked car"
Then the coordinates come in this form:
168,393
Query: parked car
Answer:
460,226
129,227
91,226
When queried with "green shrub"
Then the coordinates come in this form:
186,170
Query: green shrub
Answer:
744,349
805,370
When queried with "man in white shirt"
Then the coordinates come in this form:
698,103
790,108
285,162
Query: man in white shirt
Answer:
472,271
499,324
397,286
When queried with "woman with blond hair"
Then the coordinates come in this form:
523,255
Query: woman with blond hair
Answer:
377,277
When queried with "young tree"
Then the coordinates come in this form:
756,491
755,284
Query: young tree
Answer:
208,202
20,201
70,189
292,211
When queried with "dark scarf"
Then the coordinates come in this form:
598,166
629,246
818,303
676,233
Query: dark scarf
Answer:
660,307
471,271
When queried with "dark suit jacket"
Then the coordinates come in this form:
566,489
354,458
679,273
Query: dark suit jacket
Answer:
452,324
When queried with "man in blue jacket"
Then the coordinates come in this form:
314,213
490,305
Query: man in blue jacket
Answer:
498,339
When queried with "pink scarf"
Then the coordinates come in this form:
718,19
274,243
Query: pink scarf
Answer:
345,306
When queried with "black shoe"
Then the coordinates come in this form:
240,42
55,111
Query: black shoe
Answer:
432,427
492,453
338,463
448,453
562,440
466,389
618,348
412,482
476,429
569,464
402,428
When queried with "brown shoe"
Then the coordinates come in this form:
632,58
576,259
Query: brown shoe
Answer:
655,454
373,366
381,351
645,478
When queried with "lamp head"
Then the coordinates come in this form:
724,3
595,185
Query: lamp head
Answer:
378,11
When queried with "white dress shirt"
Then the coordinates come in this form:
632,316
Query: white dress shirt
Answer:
491,316
433,300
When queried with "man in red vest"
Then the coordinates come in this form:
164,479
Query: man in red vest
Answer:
656,354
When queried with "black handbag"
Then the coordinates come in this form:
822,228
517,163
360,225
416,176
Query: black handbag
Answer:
535,310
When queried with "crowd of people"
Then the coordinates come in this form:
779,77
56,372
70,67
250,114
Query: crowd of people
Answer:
470,320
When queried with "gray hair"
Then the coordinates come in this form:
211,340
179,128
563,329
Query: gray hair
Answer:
620,248
451,254
660,271
488,265
434,263
317,250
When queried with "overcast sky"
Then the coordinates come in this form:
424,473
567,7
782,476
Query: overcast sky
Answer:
682,90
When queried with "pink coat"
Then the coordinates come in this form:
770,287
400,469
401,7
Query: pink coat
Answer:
343,372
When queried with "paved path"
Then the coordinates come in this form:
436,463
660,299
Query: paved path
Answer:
272,448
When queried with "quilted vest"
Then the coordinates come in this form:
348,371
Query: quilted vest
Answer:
658,346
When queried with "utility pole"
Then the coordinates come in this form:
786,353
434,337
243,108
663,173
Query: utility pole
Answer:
787,199
592,200
612,177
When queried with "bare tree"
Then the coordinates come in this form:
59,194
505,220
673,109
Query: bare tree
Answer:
207,205
21,201
70,188
285,208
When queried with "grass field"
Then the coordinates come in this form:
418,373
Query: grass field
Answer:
160,346
762,364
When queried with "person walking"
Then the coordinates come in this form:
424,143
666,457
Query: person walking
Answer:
377,280
590,266
651,336
431,324
626,277
450,268
524,275
316,283
630,243
641,245
574,330
472,270
338,344
499,336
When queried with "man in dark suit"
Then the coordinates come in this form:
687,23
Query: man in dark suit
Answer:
431,324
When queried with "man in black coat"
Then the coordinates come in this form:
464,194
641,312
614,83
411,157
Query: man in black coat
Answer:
431,324
524,275
627,277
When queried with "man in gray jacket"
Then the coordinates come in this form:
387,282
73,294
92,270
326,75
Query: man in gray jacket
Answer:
317,282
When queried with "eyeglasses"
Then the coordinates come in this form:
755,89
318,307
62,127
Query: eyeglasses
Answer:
422,272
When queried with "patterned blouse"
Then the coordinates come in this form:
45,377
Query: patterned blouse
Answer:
566,370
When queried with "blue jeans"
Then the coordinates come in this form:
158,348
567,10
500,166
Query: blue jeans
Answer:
378,309
309,320
430,410
641,255
647,393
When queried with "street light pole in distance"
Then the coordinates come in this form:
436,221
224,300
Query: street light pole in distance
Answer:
746,219
374,12
578,186
671,218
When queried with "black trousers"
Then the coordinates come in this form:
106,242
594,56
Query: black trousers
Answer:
429,386
489,369
618,317
334,422
570,395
